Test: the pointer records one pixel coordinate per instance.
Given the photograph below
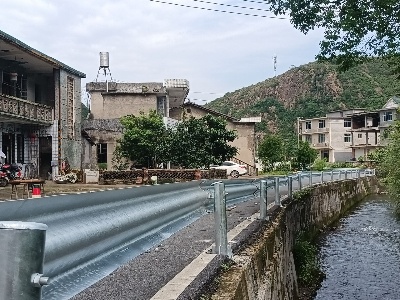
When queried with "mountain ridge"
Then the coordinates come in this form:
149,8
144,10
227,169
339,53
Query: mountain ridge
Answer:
310,90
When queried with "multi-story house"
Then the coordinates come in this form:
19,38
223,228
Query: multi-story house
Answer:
329,134
349,134
110,101
40,109
368,129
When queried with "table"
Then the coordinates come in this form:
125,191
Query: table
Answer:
27,186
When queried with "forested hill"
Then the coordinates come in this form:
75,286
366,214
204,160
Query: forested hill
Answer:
310,90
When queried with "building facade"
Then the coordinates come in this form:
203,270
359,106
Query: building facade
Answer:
349,134
110,101
369,129
329,134
40,109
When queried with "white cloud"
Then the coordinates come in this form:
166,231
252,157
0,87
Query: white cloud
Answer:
149,41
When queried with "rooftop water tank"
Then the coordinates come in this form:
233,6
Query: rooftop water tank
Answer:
104,60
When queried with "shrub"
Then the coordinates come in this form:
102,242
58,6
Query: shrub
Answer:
319,164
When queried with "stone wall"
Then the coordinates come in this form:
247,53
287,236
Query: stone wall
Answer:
265,269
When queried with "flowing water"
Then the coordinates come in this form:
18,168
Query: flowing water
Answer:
361,258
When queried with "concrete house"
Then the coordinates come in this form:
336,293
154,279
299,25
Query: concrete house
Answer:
368,128
329,135
40,109
111,100
349,134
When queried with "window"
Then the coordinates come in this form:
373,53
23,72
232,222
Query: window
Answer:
321,124
347,137
308,124
359,135
308,138
227,163
387,116
347,122
70,108
321,138
20,148
102,153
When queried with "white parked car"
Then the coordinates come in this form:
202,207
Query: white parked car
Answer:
233,169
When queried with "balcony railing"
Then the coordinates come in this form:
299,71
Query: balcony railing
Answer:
22,110
321,145
319,130
315,130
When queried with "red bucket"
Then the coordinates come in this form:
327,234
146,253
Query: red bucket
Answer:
36,191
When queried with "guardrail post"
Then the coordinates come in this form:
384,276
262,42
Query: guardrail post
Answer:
290,187
221,227
345,174
310,178
358,173
277,196
332,176
373,172
263,199
322,177
299,179
21,260
340,175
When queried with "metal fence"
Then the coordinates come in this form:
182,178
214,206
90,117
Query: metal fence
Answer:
279,186
90,229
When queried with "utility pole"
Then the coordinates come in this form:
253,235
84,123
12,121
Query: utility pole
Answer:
275,63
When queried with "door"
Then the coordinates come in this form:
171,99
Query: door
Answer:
44,156
8,147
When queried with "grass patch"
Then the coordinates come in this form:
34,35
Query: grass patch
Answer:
306,261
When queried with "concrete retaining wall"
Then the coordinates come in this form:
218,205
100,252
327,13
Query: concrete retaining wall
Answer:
265,269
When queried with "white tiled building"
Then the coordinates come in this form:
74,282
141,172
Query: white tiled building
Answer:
348,134
329,134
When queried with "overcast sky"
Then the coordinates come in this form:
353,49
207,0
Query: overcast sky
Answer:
148,41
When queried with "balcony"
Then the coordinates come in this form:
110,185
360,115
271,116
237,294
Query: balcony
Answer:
15,110
324,145
315,130
321,130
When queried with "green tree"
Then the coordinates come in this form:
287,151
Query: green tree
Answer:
305,155
390,165
271,151
353,29
196,143
143,139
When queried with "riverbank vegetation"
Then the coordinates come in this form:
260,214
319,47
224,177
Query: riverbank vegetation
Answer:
308,269
388,163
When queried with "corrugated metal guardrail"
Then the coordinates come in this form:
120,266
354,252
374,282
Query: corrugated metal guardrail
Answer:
85,228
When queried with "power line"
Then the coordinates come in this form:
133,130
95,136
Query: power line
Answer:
222,11
257,2
230,5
